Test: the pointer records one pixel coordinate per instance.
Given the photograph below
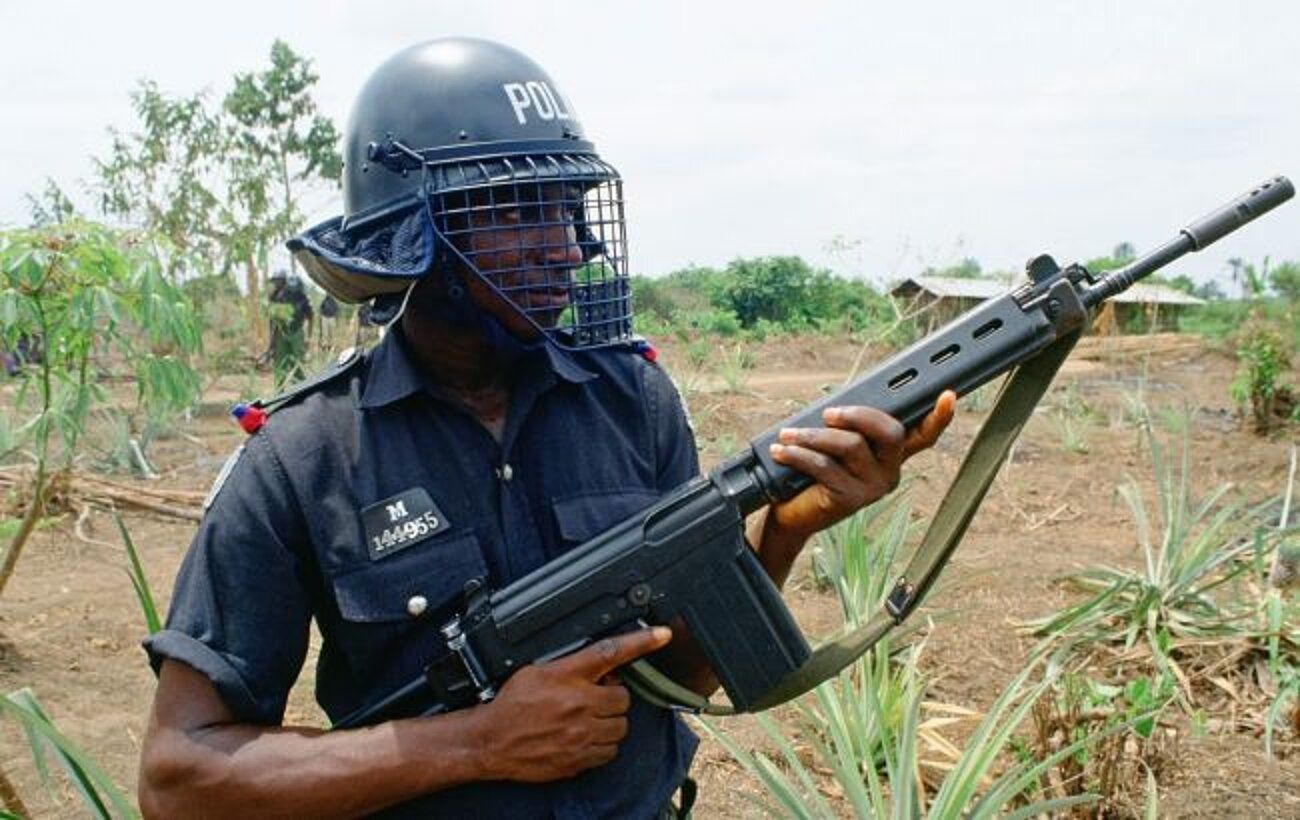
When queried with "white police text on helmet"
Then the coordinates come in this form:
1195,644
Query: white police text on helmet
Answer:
535,98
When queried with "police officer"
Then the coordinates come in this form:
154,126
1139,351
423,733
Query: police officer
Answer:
328,310
508,416
290,313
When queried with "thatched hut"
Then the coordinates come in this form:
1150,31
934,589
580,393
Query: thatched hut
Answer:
1144,308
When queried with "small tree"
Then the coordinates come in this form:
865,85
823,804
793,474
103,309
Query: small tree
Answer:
1285,280
80,292
165,177
1263,361
51,206
278,145
222,182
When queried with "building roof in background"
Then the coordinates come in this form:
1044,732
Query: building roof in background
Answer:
959,288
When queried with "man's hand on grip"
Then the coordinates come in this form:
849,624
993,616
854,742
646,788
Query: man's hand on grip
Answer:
553,720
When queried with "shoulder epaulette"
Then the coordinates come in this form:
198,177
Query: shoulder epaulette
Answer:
252,415
647,351
638,345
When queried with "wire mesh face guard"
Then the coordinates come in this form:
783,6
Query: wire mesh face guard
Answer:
546,234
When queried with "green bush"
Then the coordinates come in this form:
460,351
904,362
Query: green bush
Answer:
1215,321
1263,361
706,322
1220,320
1285,279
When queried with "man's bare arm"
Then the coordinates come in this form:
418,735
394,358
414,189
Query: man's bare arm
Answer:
549,722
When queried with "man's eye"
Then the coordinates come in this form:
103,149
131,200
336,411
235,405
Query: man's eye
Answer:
526,215
536,215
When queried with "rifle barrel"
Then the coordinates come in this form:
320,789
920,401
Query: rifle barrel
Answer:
1197,236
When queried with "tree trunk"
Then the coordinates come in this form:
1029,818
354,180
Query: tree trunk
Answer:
257,327
25,528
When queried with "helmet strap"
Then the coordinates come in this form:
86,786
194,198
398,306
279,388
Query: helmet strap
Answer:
452,307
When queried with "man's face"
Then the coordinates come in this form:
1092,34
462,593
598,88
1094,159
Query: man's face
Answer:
523,240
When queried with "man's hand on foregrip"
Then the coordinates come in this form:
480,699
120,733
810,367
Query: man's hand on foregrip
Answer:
553,720
855,460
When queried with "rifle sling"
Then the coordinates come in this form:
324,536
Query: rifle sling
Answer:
1016,401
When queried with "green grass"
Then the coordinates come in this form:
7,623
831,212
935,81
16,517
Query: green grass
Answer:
99,796
143,595
1070,429
877,764
1191,548
734,367
869,737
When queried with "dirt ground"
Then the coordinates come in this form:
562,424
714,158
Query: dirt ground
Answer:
70,626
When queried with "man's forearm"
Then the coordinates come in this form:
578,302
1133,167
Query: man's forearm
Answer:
230,771
235,770
777,548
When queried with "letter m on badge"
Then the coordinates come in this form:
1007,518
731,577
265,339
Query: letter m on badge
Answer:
396,511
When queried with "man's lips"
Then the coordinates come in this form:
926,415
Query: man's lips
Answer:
545,297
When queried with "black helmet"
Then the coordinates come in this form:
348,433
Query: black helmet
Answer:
458,139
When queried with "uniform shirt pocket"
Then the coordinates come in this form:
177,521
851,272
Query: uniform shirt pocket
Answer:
387,614
425,579
583,516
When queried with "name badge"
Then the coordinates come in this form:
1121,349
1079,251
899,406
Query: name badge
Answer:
396,523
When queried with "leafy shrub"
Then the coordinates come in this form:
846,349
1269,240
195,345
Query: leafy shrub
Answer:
762,296
1285,279
706,322
1119,726
1263,360
82,292
652,299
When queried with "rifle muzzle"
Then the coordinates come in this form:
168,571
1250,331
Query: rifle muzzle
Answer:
1259,201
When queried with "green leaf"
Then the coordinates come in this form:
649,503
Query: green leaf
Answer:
144,596
96,789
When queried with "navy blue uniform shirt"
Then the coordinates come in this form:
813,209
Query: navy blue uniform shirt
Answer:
300,529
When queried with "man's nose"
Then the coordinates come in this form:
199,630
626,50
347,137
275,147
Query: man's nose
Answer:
559,246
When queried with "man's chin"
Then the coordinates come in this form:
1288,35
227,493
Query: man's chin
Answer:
546,316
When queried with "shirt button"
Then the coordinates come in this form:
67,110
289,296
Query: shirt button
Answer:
416,605
505,472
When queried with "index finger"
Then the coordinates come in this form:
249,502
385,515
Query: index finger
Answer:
925,434
608,654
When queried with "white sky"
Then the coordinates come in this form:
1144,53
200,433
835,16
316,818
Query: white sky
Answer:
928,132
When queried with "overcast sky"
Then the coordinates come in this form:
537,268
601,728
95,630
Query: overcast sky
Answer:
925,132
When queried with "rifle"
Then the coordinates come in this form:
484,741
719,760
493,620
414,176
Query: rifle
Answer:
685,556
